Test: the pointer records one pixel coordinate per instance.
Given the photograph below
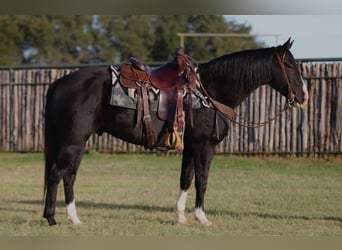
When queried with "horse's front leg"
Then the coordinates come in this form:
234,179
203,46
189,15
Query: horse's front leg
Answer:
203,155
185,182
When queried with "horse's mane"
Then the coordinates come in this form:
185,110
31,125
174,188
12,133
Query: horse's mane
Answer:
246,68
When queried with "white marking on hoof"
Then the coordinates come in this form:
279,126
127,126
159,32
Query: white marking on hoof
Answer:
72,214
181,218
200,216
180,207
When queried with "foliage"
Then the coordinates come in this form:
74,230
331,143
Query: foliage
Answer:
85,39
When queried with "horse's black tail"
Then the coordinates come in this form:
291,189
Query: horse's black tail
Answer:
49,142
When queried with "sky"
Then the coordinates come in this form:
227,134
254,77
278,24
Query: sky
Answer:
315,36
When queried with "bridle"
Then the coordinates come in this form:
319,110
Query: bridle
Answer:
291,95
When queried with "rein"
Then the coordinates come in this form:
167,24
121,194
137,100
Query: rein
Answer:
248,124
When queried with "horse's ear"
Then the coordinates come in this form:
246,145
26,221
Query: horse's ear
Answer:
288,44
291,44
285,47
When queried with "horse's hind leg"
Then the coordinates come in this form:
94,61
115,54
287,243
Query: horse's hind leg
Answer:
69,178
68,161
52,180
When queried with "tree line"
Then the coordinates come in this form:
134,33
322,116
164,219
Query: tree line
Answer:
91,39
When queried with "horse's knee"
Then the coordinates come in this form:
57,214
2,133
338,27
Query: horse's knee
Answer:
185,182
186,178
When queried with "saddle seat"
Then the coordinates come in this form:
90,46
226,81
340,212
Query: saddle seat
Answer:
166,77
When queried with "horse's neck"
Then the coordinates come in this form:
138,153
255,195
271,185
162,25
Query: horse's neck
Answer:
228,91
243,92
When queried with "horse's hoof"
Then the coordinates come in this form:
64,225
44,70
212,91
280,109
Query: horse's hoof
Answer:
51,221
203,220
75,221
208,224
181,219
184,223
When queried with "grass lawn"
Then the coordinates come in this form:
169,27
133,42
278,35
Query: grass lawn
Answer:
135,195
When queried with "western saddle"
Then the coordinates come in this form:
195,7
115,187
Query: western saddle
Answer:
173,80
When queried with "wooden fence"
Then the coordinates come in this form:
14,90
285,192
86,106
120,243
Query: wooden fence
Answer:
315,131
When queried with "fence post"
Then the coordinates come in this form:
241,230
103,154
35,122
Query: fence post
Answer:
11,105
300,133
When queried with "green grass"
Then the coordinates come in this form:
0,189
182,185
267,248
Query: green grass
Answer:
135,195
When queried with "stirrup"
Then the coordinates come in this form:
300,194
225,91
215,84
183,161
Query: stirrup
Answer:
173,140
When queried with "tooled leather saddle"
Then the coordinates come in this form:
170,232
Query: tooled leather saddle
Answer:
173,80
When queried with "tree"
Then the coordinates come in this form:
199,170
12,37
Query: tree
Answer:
206,48
44,39
133,35
166,40
112,39
23,39
71,40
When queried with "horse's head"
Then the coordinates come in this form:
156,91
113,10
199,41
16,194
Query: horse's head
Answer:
286,77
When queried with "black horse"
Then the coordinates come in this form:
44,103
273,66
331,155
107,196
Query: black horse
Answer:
77,106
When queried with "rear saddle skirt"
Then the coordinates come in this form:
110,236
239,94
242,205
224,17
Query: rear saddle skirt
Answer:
162,90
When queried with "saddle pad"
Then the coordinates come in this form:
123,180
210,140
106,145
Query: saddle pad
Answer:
119,98
125,98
